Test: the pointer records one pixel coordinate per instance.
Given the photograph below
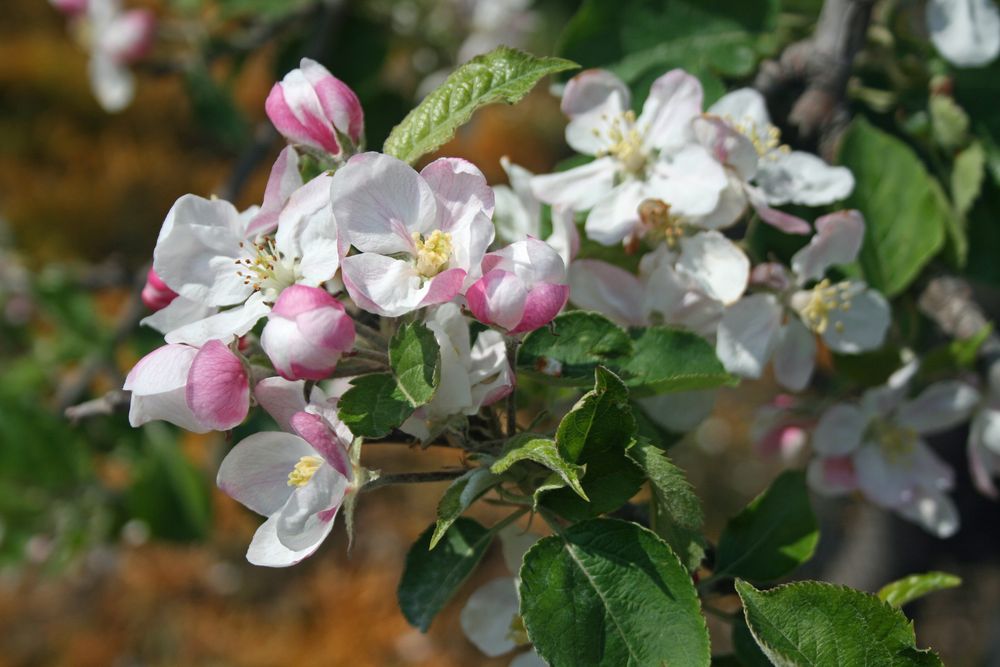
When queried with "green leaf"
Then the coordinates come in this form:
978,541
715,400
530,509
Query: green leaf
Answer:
667,360
952,357
967,177
908,589
949,122
610,593
819,624
530,447
374,405
676,514
597,433
772,536
415,359
502,75
458,497
745,646
905,212
431,578
572,347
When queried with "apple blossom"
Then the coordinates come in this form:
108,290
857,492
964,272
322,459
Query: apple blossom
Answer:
519,215
984,437
298,480
522,288
652,156
307,330
472,375
876,447
420,236
155,293
965,32
70,7
314,109
197,389
780,323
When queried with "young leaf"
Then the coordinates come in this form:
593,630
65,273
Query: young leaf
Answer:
415,359
458,497
528,447
374,405
666,360
967,177
819,624
915,586
573,346
609,593
772,536
431,578
596,433
905,212
675,510
502,75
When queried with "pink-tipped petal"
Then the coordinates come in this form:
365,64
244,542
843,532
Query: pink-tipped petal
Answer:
324,440
218,389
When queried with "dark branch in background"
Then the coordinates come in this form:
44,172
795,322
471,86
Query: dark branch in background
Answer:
949,301
814,73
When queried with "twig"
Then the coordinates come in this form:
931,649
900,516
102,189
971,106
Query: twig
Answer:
111,402
413,478
512,344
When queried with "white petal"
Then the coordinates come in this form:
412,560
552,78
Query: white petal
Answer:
716,264
383,285
515,542
862,326
169,406
934,511
965,32
579,188
255,471
268,551
607,289
802,178
747,334
674,101
281,398
617,215
939,407
745,106
176,314
590,99
222,326
837,241
731,206
831,476
680,411
113,83
840,430
303,520
690,180
487,617
529,659
794,355
885,483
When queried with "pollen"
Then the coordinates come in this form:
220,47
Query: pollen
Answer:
624,142
265,268
304,471
766,140
826,298
433,252
660,223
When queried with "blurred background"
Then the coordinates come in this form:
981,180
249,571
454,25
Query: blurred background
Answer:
115,546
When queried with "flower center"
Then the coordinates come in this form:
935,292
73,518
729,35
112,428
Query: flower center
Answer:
304,470
897,442
660,223
824,299
266,269
432,253
624,142
767,141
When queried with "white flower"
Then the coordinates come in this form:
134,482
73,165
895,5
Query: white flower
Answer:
965,32
472,375
780,325
212,255
652,156
876,447
762,171
519,215
421,236
114,38
984,437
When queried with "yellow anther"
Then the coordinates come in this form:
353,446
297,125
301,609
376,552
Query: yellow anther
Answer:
659,222
265,268
823,299
766,141
624,142
304,470
433,252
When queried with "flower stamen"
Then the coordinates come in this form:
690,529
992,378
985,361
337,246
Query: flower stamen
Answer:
660,223
266,269
824,299
432,253
624,142
304,471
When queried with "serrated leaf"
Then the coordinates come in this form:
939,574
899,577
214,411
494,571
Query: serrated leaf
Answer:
772,536
374,405
530,447
502,75
611,593
597,433
819,624
415,359
905,212
667,360
431,578
572,347
915,586
457,498
675,510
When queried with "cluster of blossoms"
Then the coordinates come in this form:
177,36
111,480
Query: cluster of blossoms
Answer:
114,38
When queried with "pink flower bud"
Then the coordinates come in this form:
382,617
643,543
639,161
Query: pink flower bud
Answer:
156,295
129,36
523,287
70,7
312,108
306,332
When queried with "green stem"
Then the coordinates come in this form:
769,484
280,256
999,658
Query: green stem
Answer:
512,344
413,478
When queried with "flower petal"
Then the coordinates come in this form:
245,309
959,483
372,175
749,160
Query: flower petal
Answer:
680,411
282,398
691,181
607,289
965,32
802,178
222,326
939,407
745,107
283,181
267,550
716,265
324,440
579,188
674,101
747,333
255,471
218,389
306,516
461,191
862,326
590,99
832,476
794,355
837,241
840,430
617,215
487,616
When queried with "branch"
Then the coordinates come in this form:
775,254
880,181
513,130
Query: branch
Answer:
111,402
949,301
413,478
819,67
